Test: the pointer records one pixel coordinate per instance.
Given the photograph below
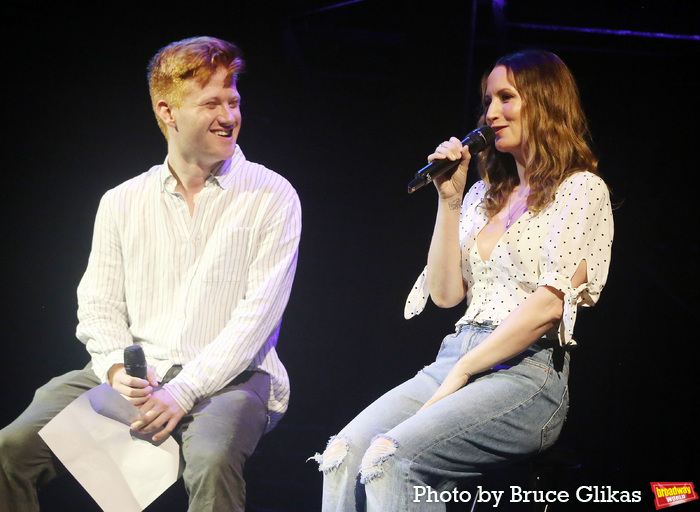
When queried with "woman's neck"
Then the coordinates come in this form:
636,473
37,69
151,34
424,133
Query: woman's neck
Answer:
521,174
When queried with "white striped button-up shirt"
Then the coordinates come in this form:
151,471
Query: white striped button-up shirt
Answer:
205,291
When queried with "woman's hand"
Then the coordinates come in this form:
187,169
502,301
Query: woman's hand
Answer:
451,186
456,379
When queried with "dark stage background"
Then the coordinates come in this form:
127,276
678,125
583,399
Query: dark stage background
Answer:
347,101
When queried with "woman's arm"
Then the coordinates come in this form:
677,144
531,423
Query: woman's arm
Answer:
527,323
444,274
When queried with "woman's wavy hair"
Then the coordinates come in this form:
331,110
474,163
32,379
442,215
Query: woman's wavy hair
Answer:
197,58
555,132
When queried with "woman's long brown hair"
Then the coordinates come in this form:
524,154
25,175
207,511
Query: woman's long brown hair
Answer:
555,132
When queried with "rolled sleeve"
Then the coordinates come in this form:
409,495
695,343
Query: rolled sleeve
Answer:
582,231
418,297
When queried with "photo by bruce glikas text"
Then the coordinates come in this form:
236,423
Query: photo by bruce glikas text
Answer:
516,494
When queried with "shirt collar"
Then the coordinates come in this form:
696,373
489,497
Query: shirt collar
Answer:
222,177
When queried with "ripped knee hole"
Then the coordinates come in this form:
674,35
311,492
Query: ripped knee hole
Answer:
379,451
334,454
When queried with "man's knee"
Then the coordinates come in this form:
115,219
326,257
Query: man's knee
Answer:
17,444
204,456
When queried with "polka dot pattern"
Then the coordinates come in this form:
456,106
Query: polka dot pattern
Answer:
537,250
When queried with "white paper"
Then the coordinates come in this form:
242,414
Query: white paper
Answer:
92,438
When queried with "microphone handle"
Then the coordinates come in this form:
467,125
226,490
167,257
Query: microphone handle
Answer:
432,171
476,141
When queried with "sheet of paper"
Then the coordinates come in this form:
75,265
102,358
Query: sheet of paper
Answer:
92,438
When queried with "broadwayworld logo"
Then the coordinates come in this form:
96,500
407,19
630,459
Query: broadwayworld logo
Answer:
668,494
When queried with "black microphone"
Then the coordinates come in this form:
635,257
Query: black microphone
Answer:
476,141
135,361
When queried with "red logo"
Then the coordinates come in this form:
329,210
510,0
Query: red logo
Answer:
668,494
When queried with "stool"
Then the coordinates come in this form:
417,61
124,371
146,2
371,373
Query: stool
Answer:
547,468
543,472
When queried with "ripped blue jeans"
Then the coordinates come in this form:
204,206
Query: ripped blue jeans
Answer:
386,457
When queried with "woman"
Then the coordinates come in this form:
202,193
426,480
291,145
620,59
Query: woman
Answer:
529,243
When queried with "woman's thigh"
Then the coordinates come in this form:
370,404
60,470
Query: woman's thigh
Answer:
402,402
390,410
500,417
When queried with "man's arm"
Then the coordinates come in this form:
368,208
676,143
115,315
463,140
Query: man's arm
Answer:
103,319
102,313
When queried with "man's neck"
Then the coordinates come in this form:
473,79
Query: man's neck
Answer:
190,178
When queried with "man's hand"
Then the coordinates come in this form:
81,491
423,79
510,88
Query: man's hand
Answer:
135,390
160,411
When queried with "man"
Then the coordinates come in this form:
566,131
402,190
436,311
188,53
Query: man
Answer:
194,261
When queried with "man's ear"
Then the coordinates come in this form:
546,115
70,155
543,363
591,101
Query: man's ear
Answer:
165,113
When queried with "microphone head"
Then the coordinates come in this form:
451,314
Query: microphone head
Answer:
476,141
480,139
135,361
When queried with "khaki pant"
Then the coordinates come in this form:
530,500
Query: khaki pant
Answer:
216,439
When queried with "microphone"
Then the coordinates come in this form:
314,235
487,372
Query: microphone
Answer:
476,141
135,361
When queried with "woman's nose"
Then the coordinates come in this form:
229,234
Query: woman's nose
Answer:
493,111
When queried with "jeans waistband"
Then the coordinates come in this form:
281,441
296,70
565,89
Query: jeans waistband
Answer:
543,343
486,324
540,344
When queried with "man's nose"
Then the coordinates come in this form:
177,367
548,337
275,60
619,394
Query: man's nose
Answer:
227,115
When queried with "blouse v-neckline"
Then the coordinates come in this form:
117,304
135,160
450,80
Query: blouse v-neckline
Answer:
498,242
508,224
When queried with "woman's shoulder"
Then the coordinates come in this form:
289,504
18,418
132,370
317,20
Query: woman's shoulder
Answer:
583,179
477,189
582,188
475,195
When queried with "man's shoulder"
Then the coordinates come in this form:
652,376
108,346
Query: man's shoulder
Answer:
139,183
256,177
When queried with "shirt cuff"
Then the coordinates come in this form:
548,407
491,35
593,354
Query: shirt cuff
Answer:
572,297
568,319
101,364
418,298
181,394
